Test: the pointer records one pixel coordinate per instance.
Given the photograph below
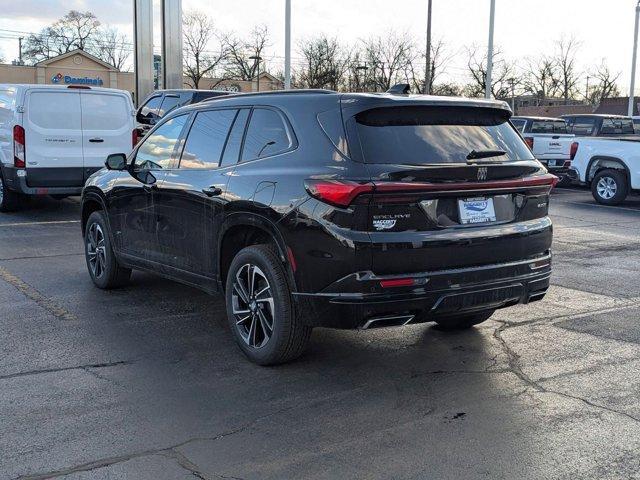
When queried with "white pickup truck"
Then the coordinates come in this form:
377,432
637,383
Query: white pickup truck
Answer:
549,141
609,165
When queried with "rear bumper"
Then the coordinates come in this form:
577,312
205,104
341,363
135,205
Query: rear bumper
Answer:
358,301
16,180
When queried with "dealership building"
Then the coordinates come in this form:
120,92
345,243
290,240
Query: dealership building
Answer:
81,68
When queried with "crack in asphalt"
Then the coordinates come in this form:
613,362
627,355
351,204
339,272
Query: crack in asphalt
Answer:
170,451
86,368
513,360
43,301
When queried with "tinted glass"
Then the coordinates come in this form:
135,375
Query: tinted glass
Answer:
168,104
266,135
548,126
419,135
234,142
519,124
583,126
206,139
104,112
149,110
617,126
157,148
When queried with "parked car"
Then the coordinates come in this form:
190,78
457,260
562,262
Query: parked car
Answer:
599,125
319,209
159,103
549,141
609,166
53,137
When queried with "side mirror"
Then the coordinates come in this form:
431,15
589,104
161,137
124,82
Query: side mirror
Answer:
116,161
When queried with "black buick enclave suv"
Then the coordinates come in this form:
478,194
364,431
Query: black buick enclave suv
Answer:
315,208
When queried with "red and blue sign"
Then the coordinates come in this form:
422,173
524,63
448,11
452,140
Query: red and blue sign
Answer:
69,80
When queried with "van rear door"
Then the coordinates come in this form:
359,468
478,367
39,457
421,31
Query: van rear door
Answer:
53,138
107,127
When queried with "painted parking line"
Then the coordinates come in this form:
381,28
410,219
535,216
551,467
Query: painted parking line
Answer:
26,224
629,209
28,291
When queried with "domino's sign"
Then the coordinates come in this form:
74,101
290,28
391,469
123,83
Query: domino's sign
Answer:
69,80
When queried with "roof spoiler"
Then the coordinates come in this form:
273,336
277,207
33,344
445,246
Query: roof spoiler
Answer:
400,89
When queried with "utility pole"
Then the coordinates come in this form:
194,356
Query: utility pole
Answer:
287,45
427,69
492,14
633,62
20,50
587,92
257,59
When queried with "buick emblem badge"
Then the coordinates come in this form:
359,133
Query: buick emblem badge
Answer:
482,173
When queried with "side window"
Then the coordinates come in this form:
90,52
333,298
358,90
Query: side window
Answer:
168,103
266,135
583,126
519,124
156,150
206,139
149,111
232,150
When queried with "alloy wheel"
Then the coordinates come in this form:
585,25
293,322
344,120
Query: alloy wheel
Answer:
253,306
96,250
607,188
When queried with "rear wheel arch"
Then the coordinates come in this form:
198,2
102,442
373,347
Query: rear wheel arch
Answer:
600,162
242,230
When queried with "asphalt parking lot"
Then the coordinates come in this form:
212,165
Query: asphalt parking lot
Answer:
146,382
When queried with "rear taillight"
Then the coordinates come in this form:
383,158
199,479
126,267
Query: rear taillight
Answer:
134,137
573,150
342,193
529,142
19,151
337,192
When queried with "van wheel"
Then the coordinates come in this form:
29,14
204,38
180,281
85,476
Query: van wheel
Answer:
103,267
463,322
260,311
8,198
610,187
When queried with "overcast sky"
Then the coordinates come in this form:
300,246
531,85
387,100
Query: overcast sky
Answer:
524,28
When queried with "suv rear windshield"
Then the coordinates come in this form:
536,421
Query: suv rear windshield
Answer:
423,135
548,126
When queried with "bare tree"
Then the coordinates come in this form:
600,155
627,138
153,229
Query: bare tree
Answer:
503,79
198,31
606,84
565,58
240,65
74,30
326,64
439,60
388,58
542,78
112,47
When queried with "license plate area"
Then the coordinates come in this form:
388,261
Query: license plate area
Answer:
476,210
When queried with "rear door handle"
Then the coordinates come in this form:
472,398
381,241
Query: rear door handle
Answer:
212,191
96,140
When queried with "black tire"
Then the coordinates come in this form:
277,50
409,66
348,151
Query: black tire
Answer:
610,187
287,337
105,271
463,322
9,200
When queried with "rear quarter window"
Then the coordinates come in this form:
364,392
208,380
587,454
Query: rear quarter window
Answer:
548,126
423,135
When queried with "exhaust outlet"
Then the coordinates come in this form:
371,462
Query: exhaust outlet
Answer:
389,321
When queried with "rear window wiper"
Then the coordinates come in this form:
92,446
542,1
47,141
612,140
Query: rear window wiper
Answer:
476,154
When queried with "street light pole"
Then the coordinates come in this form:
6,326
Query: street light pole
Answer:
257,59
633,62
427,70
487,87
287,45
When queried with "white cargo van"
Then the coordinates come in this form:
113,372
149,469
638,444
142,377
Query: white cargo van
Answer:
53,137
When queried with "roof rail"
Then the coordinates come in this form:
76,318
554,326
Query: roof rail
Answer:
300,91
